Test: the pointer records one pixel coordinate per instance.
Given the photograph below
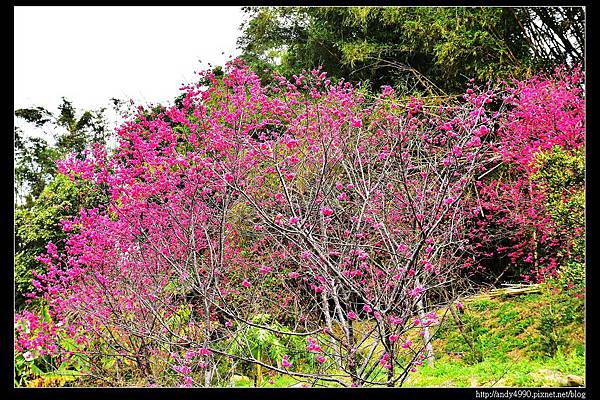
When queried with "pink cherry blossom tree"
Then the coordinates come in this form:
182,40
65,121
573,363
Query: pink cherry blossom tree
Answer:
346,218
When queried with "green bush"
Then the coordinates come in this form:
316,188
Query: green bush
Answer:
39,224
561,174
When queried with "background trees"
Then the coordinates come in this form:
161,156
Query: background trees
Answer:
422,48
35,157
42,197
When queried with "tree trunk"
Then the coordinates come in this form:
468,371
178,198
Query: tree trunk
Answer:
426,335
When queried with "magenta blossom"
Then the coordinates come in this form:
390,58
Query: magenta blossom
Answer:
326,211
285,362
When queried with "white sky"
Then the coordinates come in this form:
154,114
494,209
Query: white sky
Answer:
90,54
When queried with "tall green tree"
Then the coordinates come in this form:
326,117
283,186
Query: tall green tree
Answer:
42,197
35,157
418,47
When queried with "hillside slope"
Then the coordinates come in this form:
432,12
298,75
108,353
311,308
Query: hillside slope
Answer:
532,339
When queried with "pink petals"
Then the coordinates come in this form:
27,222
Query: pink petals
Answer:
285,362
326,211
355,122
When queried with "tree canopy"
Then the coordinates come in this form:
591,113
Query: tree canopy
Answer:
35,157
417,47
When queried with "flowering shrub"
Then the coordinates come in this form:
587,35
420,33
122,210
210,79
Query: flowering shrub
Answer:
518,196
344,218
47,353
560,173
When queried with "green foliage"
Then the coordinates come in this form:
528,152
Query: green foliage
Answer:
35,164
482,305
563,309
36,115
472,341
388,45
35,158
39,224
269,346
549,332
500,373
572,276
532,326
507,344
528,340
561,174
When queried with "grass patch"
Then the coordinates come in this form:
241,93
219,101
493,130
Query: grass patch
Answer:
530,340
501,373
